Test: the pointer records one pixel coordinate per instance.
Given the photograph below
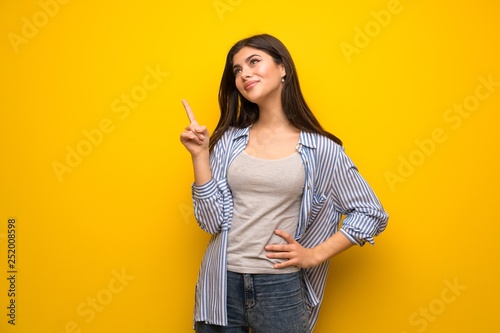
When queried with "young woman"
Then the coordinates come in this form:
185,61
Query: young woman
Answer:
271,185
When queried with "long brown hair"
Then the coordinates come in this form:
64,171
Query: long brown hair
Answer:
237,111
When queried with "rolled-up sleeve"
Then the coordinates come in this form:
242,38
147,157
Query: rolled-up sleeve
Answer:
207,206
365,217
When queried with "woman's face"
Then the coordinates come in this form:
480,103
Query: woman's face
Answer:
257,76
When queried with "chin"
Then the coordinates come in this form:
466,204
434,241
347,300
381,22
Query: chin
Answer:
251,98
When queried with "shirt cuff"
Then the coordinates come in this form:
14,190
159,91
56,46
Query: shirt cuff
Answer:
353,239
205,190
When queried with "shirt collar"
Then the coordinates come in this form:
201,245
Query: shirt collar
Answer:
306,139
239,132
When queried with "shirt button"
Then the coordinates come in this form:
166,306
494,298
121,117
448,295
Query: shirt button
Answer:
308,213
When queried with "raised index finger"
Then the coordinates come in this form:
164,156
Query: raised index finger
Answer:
189,112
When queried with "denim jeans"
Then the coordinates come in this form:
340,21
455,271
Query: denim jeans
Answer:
263,303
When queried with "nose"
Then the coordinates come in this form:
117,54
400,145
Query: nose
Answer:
246,72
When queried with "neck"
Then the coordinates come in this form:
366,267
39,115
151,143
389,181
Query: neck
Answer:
272,115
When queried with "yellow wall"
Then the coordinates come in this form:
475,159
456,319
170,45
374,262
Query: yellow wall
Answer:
93,173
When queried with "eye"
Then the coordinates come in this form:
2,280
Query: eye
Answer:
254,61
237,71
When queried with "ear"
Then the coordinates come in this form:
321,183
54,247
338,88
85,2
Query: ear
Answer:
283,70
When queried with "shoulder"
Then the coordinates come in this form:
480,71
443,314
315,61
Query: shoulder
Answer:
322,145
328,154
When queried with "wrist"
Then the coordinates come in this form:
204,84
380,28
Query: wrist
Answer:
201,167
200,156
319,254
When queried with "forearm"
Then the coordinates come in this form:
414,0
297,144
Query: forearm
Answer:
331,247
201,168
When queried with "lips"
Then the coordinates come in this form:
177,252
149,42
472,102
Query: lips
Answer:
250,85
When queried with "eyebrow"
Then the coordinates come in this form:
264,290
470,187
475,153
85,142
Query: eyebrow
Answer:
247,59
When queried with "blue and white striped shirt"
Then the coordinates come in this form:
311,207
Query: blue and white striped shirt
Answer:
333,187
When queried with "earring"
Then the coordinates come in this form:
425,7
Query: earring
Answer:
282,79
